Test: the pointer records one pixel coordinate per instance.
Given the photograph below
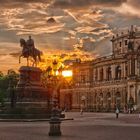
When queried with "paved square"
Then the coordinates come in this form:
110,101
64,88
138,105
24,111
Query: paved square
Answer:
89,126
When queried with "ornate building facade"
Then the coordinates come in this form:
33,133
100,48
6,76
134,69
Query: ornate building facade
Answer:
107,82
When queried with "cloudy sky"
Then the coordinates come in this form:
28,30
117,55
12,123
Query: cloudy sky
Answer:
62,27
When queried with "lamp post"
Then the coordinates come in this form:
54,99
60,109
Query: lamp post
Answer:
55,121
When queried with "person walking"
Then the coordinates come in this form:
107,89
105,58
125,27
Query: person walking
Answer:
117,113
81,111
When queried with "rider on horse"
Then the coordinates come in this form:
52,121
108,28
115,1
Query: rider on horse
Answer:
29,50
30,44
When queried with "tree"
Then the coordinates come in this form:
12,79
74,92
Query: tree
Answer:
5,80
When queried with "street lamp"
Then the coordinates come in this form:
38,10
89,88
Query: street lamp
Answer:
55,121
48,71
55,115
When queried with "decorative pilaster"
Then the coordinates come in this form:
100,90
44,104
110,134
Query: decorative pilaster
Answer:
129,67
98,74
104,73
124,70
136,70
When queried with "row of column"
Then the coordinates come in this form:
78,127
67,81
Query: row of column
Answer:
93,99
97,74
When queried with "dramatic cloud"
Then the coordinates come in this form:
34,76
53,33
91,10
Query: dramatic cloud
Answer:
79,27
84,3
134,3
130,8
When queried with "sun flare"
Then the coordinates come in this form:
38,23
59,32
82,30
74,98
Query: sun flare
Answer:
67,73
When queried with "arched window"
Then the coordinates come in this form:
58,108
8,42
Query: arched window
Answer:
118,99
109,73
131,102
96,75
118,72
101,74
126,70
133,67
101,100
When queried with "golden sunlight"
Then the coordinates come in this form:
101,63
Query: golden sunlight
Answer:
67,73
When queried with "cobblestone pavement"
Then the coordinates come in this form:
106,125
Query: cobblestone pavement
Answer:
89,126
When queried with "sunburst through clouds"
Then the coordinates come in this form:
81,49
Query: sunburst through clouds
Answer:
68,29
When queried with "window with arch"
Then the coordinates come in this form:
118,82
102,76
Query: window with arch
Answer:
95,98
118,99
118,72
109,73
101,74
96,74
101,100
126,70
133,67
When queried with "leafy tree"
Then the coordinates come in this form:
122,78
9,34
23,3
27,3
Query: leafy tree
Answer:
5,80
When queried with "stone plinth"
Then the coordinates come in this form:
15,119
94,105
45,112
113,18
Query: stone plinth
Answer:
29,87
31,96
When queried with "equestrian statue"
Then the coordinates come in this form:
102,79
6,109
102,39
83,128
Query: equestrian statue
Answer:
29,51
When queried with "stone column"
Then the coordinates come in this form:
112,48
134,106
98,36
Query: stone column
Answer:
134,91
104,73
76,100
98,74
128,67
136,70
128,91
130,64
113,98
93,74
122,98
104,99
124,70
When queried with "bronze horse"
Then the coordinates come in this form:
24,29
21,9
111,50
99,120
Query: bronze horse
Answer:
28,53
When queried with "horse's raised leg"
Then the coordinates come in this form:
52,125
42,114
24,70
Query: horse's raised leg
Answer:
35,60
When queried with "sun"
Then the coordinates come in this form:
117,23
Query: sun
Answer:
67,73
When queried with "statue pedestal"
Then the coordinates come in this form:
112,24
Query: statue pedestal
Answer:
32,99
29,87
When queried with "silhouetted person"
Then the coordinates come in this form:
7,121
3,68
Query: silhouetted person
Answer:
117,113
30,44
